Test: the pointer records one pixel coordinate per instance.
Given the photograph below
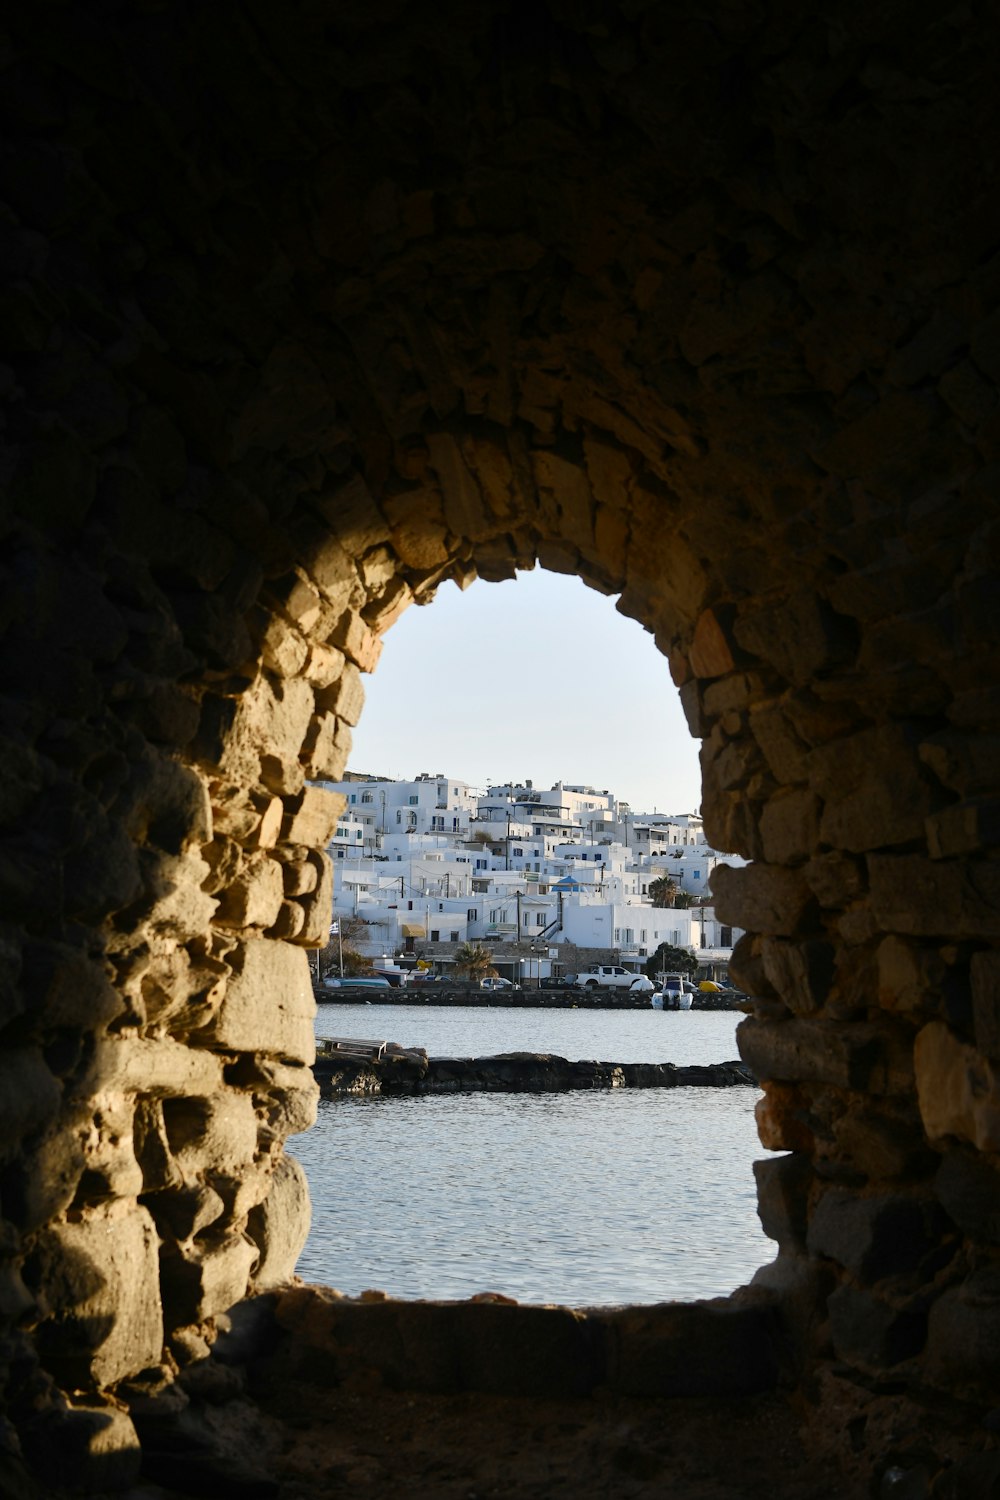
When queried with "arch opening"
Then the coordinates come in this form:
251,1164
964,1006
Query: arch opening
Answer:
284,357
536,675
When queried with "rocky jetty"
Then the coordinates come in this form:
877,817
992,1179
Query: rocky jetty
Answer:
345,1067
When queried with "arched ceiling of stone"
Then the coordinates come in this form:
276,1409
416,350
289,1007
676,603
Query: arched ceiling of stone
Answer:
657,294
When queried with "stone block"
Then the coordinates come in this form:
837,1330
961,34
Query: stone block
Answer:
881,1146
761,898
873,1237
962,1353
254,897
782,1114
911,976
783,750
789,827
285,1095
92,1450
885,435
345,698
162,1069
928,898
968,1189
284,650
205,1279
985,972
358,643
68,986
317,906
29,1097
213,1136
958,1089
966,763
182,1214
99,1278
713,652
799,637
159,1170
783,1184
800,973
869,1330
289,923
836,879
311,819
279,1226
269,1004
849,1055
175,906
969,828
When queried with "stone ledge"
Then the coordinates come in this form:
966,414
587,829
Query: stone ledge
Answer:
727,1346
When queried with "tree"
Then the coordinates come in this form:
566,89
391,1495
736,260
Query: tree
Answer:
663,890
474,962
670,960
353,931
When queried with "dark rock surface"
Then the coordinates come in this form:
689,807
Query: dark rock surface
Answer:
408,1072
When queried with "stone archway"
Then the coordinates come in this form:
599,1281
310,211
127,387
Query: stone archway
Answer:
304,319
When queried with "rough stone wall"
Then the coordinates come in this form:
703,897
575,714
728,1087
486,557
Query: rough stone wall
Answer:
306,314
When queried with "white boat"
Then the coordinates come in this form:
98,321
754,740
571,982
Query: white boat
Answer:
670,999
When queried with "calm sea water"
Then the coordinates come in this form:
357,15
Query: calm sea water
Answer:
589,1199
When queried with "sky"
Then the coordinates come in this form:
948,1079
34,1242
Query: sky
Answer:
536,678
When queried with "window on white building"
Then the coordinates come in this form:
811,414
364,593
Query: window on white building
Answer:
435,936
413,801
365,797
454,937
725,937
540,919
472,915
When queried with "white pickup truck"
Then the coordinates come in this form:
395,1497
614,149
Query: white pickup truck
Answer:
614,977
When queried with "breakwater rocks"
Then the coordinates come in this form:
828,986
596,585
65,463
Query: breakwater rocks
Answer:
343,1067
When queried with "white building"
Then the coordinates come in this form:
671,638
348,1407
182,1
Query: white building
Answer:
430,862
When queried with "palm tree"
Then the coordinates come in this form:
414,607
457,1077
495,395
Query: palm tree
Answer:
474,962
663,891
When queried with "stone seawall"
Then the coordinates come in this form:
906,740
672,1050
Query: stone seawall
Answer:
460,994
399,1072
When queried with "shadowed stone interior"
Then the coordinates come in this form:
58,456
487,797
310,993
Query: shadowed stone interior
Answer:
308,309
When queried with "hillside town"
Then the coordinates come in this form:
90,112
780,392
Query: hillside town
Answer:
550,880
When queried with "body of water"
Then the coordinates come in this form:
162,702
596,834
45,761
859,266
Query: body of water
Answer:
590,1198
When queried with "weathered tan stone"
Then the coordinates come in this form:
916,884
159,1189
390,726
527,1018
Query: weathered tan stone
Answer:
102,1277
761,897
254,898
216,1135
958,1089
163,1068
312,818
360,644
206,1279
279,1226
711,653
269,1004
909,977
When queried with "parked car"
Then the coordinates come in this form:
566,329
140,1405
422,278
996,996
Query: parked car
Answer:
496,983
611,975
557,982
